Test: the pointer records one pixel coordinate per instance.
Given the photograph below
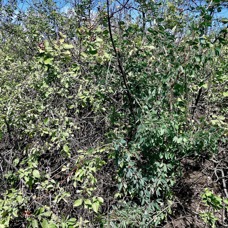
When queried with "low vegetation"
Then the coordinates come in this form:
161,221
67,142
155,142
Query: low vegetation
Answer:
101,103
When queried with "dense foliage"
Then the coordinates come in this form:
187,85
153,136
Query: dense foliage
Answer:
99,104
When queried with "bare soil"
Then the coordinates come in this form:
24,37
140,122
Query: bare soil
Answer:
197,175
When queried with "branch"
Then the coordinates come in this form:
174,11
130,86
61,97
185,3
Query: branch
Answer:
196,102
120,66
123,6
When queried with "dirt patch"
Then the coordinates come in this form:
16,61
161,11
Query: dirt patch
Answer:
198,175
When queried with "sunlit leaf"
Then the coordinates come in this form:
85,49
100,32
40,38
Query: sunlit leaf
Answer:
45,224
48,61
35,223
66,148
36,173
68,46
95,206
78,202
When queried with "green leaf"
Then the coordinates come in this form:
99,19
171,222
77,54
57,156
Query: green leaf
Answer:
15,213
202,40
46,44
150,47
47,214
45,224
225,201
35,223
72,221
224,20
62,35
95,206
225,94
66,148
36,173
197,58
88,202
48,61
78,202
67,53
68,46
217,51
100,199
92,51
19,199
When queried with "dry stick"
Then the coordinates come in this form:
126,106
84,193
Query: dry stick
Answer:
198,97
117,54
196,102
120,66
171,90
8,129
223,182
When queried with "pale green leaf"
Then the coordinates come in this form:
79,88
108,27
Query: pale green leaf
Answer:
197,58
62,35
78,202
66,53
36,173
19,199
95,206
68,46
35,223
225,94
44,224
46,44
88,202
100,199
48,61
66,148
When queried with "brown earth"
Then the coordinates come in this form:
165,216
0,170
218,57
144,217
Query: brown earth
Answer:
198,175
